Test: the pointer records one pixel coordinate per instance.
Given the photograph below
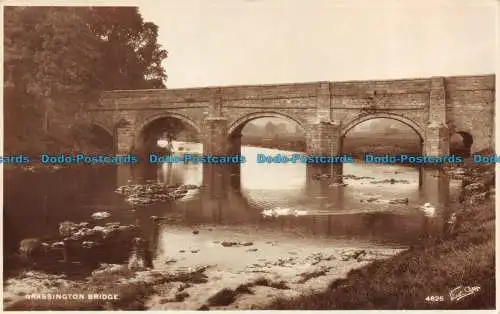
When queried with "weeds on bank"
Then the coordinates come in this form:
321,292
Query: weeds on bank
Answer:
431,269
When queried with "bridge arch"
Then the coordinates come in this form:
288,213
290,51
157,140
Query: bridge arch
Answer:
413,125
163,115
104,128
461,142
142,136
93,124
239,123
95,134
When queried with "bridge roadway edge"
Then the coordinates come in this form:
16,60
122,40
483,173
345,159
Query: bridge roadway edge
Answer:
434,107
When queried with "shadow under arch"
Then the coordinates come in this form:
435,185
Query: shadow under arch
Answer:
417,128
94,135
139,139
466,139
165,115
104,128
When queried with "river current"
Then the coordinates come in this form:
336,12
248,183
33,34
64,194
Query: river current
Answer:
293,223
278,197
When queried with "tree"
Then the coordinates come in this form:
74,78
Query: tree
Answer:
132,56
50,55
270,129
251,129
171,128
59,59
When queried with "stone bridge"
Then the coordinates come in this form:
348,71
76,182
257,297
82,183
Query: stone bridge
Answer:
434,108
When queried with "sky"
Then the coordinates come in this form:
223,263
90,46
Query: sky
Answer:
239,42
244,42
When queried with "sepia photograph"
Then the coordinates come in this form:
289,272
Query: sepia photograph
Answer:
249,155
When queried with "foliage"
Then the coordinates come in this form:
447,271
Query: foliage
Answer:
57,60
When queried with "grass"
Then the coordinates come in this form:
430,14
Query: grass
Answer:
227,296
433,268
310,275
268,283
223,298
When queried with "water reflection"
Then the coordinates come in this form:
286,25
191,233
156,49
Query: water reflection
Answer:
338,211
237,196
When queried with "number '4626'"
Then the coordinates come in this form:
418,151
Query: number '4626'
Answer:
434,298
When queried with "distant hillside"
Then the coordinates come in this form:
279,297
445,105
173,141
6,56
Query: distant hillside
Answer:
382,127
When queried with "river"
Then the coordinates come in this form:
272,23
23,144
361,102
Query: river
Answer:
286,216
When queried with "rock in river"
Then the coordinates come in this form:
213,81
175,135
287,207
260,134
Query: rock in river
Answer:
148,194
399,201
100,215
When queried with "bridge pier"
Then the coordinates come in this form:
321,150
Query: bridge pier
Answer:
214,192
233,149
217,143
215,136
124,140
437,135
437,140
324,139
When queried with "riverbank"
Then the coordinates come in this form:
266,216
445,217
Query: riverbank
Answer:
206,268
419,277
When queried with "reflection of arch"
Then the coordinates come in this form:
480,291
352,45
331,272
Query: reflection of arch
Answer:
399,118
180,117
240,122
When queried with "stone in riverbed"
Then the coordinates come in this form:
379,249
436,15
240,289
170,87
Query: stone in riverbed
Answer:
391,181
31,250
57,245
188,187
229,244
66,228
150,193
100,215
399,201
336,184
88,244
371,199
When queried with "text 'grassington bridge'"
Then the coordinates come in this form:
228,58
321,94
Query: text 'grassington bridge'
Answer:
435,108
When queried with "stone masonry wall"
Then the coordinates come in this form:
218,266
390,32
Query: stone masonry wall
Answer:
462,103
471,108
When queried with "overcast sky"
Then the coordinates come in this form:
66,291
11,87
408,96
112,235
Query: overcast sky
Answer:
229,42
235,42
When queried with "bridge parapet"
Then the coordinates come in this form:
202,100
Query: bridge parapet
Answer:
435,107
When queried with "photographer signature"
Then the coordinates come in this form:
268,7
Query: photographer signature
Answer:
461,292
